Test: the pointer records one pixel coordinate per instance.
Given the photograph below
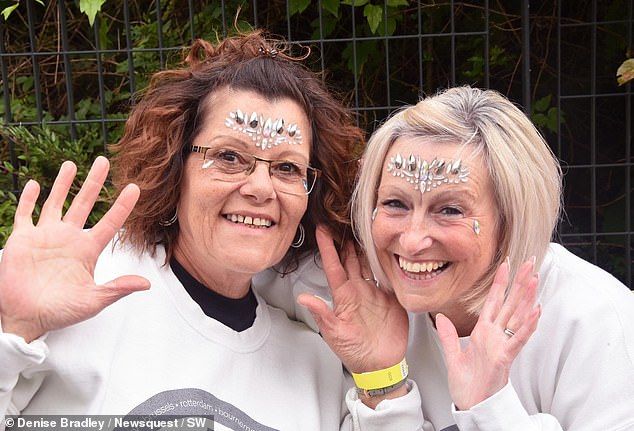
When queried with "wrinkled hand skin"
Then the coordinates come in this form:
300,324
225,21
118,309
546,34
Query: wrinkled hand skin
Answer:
483,368
367,327
47,269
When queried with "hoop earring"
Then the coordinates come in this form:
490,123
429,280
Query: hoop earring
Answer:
302,236
170,221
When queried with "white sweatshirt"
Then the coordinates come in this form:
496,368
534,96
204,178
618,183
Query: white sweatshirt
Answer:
156,352
576,373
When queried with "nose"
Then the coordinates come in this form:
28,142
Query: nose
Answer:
259,183
417,237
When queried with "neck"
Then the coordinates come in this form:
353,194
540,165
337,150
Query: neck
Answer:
228,284
463,322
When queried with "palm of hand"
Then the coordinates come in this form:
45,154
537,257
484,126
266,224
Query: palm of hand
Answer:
483,367
363,316
46,272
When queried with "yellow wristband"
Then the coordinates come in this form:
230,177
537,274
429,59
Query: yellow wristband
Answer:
381,378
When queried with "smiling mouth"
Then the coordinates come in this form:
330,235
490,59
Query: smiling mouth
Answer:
422,270
254,222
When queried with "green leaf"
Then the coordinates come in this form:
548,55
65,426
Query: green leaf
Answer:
357,3
397,3
552,121
374,15
625,72
298,6
40,2
331,6
542,104
90,8
7,10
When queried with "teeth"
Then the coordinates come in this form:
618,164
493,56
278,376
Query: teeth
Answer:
252,221
417,267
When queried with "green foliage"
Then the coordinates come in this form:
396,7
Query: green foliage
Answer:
546,116
90,8
38,153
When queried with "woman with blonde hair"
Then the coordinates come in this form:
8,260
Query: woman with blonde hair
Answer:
457,196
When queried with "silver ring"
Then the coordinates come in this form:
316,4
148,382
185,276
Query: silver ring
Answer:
368,279
509,332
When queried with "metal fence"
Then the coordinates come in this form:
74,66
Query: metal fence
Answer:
557,59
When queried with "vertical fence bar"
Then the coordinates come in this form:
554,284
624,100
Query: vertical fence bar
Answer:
5,78
35,62
159,30
629,115
526,57
386,41
68,74
453,42
100,78
421,62
7,105
593,132
192,32
128,47
487,51
354,61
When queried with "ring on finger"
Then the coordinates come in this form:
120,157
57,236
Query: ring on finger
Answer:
509,332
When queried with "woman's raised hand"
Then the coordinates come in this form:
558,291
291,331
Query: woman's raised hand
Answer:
503,328
46,271
367,327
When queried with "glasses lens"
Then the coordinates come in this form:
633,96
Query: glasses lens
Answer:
286,176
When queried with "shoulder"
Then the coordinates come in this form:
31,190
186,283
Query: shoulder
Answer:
568,278
581,299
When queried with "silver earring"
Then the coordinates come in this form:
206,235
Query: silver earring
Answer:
300,240
171,221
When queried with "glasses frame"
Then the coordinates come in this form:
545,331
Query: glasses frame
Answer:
309,169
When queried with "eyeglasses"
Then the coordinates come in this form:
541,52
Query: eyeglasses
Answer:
232,165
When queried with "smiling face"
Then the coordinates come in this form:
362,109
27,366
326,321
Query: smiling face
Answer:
230,230
435,245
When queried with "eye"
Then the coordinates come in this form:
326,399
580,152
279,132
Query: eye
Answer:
228,156
287,168
451,211
394,204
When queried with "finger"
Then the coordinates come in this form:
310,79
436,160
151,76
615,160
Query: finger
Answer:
521,337
52,208
495,297
366,271
83,203
113,220
116,289
448,337
335,273
525,306
351,262
24,211
516,292
321,312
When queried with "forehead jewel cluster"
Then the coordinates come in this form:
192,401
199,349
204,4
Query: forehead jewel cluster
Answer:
266,133
427,175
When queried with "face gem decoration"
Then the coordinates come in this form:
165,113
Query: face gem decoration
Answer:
425,175
476,227
266,133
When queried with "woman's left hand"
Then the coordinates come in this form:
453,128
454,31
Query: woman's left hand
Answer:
483,368
367,327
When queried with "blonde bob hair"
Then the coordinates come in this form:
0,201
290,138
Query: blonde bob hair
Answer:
525,174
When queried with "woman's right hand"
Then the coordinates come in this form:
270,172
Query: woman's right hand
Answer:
46,271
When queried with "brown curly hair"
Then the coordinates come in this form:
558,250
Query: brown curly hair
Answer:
167,118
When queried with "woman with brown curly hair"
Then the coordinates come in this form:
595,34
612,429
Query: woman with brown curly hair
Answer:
225,169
